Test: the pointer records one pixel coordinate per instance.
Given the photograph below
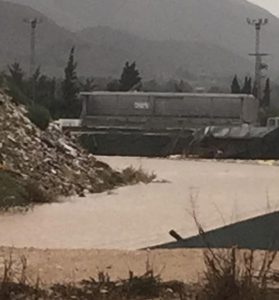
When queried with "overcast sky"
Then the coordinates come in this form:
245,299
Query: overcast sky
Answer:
271,5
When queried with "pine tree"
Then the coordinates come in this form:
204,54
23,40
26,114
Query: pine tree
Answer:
16,74
245,85
249,86
182,87
113,86
87,85
2,79
130,77
255,89
16,83
71,106
235,87
267,92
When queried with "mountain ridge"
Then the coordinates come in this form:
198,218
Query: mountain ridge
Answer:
102,50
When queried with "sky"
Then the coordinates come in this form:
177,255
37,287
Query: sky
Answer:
271,5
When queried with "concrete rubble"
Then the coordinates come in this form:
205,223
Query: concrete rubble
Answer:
50,158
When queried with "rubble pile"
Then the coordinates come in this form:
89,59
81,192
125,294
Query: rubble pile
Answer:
50,158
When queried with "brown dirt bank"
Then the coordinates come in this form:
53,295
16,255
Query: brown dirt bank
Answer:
64,266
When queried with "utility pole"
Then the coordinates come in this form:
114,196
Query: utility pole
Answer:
33,26
259,66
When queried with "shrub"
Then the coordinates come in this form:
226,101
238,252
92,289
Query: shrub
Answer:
39,116
16,192
17,95
12,191
236,275
134,176
37,194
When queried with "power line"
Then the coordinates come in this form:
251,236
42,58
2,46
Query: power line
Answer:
32,66
33,26
259,65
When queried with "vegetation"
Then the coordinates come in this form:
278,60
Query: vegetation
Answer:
236,275
135,176
16,192
39,116
229,274
267,92
71,106
45,97
247,87
130,78
235,86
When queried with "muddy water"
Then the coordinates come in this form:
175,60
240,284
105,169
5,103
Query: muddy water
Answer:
140,216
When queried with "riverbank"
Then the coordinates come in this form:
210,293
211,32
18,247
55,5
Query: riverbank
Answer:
112,275
45,165
139,216
65,265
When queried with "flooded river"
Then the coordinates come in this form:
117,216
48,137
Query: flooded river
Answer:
140,216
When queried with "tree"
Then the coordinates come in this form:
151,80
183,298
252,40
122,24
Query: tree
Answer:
183,87
16,74
151,86
216,90
266,95
130,77
39,116
87,85
255,89
71,106
247,87
235,87
16,84
113,86
2,79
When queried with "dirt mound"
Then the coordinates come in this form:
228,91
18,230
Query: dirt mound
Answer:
50,158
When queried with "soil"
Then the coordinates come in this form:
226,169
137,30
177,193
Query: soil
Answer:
66,266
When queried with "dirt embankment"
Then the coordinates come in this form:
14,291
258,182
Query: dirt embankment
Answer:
112,275
52,160
66,266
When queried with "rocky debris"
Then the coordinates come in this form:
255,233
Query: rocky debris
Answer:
49,157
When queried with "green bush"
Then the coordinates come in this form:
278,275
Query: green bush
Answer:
12,191
16,93
39,116
15,192
37,194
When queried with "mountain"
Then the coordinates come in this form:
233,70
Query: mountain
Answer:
102,51
220,22
156,58
53,42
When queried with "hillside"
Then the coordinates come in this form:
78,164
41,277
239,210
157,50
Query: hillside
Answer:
220,22
111,48
53,42
102,51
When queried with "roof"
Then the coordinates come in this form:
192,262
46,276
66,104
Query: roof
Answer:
239,132
200,95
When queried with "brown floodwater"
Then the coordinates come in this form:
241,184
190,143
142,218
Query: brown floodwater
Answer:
139,216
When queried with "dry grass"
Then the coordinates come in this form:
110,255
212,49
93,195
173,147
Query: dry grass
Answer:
14,285
236,275
135,176
229,274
